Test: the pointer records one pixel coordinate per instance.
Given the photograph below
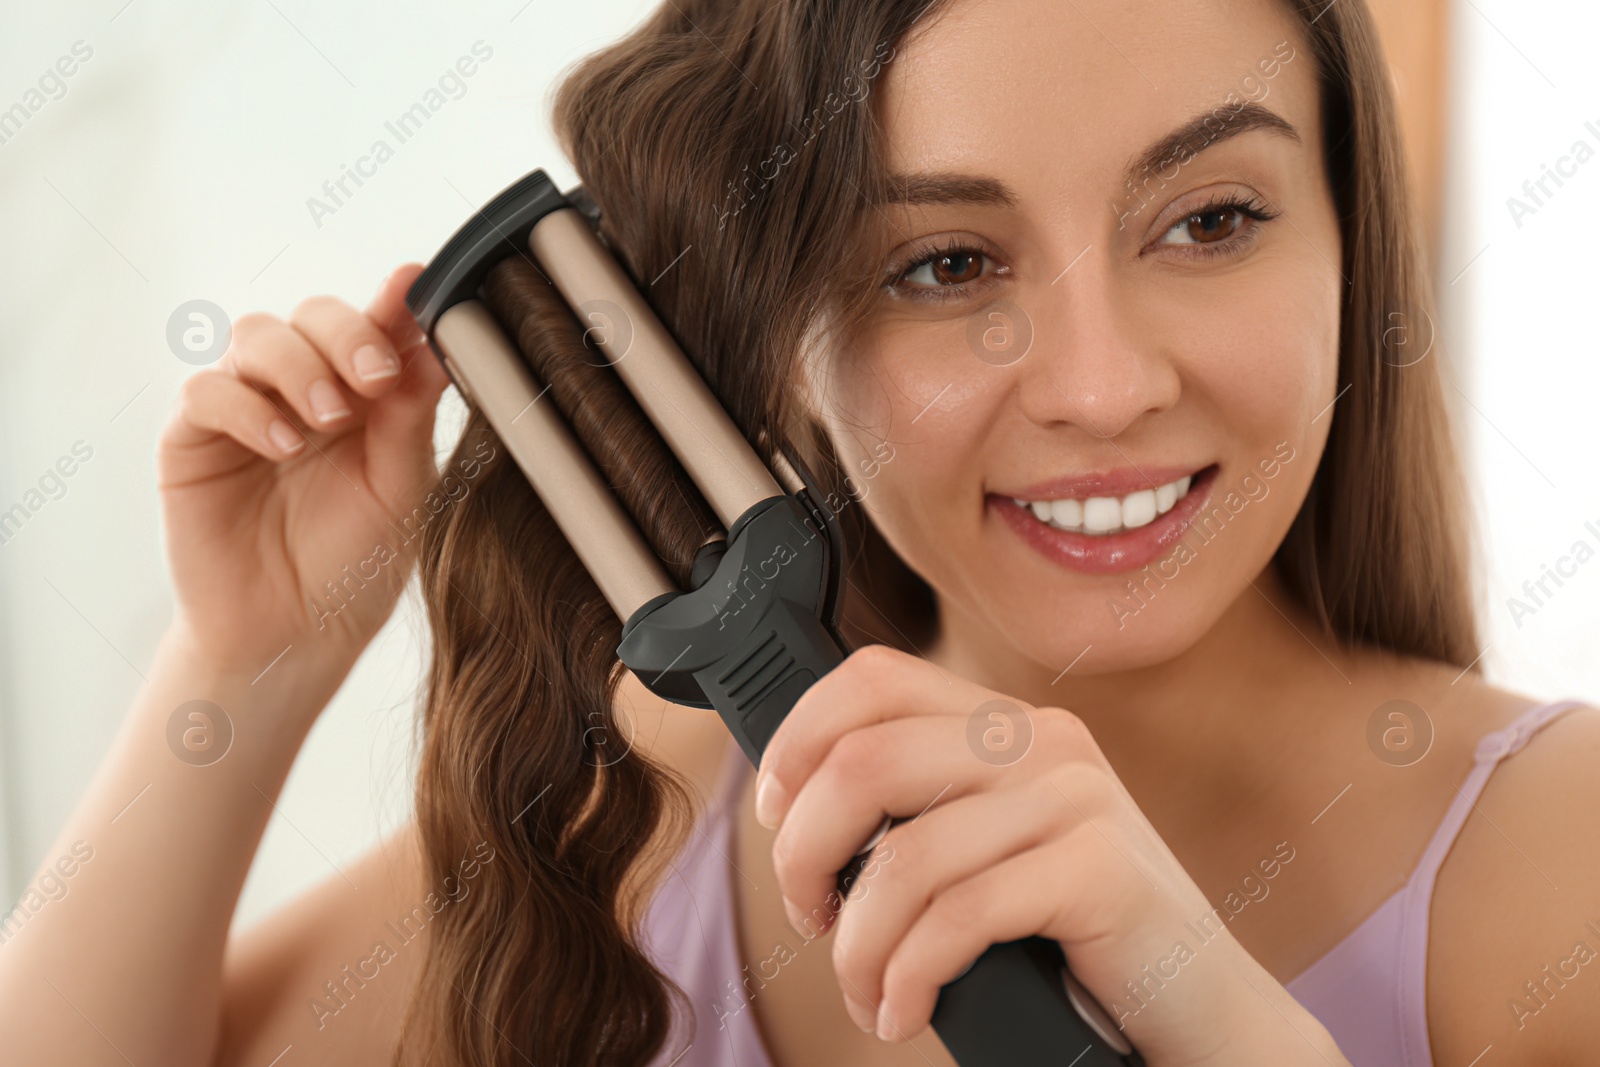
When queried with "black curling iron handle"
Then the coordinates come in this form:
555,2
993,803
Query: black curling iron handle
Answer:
749,641
1011,1005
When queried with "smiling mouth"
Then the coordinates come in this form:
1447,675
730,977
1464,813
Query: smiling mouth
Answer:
1099,533
1102,516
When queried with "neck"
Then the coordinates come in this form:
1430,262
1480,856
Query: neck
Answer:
1257,674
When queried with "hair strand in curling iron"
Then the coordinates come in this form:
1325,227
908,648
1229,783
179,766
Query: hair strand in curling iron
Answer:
495,378
603,416
677,400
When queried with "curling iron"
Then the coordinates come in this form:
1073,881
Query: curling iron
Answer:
760,624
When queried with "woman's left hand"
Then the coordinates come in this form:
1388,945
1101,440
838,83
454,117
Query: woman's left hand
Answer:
1019,826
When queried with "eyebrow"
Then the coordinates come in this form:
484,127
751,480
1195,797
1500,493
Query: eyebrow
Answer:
1204,131
1193,137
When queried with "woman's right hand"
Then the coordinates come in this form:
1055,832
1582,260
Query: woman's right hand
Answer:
287,472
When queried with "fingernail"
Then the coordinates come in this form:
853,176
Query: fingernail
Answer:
284,436
887,1030
372,363
796,917
860,1014
326,401
770,802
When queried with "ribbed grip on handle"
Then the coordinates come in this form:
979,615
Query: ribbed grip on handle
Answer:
750,642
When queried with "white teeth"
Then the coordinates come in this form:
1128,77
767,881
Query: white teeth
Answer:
1139,508
1102,515
1067,513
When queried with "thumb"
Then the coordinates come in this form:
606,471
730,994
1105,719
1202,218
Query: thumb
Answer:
388,310
399,426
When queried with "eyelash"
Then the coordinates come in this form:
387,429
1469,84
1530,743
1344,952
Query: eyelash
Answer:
952,246
1250,207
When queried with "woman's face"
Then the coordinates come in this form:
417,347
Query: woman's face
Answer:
1116,278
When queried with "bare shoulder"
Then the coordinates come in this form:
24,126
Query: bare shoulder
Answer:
1514,943
331,972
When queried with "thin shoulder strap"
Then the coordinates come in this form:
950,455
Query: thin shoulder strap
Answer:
1492,748
1417,896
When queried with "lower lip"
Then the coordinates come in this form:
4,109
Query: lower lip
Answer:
1111,553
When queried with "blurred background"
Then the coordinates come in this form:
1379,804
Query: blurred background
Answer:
177,161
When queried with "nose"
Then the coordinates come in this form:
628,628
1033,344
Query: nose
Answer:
1095,363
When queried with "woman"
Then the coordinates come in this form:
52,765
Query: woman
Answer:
1162,597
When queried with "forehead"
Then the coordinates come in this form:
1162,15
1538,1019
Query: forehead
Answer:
1046,90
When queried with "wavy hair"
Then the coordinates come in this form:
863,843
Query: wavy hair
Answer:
725,140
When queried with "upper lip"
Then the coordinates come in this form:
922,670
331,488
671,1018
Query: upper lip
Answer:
1113,483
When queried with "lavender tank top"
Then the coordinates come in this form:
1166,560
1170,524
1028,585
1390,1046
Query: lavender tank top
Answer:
1369,990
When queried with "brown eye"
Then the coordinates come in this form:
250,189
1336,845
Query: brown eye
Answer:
957,267
1217,224
944,273
1225,223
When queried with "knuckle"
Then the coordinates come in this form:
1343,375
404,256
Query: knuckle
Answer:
903,849
1086,788
1065,730
855,758
190,397
353,332
963,906
865,672
250,328
315,309
874,657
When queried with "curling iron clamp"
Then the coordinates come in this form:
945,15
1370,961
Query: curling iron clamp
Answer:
761,623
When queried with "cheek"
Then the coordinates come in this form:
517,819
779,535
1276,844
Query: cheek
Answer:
1263,354
915,389
910,420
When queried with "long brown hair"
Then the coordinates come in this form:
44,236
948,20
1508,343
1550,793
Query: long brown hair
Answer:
725,141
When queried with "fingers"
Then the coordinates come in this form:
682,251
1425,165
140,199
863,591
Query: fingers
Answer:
214,402
918,861
400,430
873,684
1013,899
331,368
388,311
896,768
328,354
362,355
271,354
